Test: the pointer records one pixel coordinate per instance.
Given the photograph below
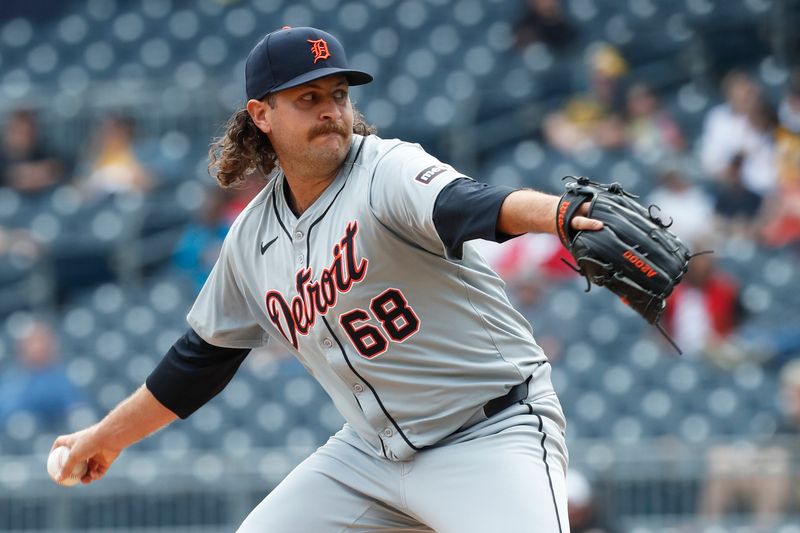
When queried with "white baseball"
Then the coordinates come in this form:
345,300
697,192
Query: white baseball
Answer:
56,460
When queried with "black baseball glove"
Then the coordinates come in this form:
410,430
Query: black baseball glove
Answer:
634,255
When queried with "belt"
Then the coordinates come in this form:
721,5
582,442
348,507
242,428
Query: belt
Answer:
515,395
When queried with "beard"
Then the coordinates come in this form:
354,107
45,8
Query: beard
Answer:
329,156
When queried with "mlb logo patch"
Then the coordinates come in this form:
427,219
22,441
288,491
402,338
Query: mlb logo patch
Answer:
427,175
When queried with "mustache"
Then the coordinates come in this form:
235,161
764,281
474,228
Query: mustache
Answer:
327,127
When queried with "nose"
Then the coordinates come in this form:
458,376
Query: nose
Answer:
329,110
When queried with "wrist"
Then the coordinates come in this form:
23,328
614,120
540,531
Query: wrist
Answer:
103,435
551,224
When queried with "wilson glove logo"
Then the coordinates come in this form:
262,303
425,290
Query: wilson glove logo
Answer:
640,264
562,212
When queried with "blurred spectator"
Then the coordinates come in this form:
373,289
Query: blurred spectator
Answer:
742,126
759,165
584,516
726,124
21,265
789,108
591,120
111,165
26,164
682,201
19,243
704,308
759,475
544,22
783,224
651,132
735,206
527,290
199,245
38,383
767,345
237,198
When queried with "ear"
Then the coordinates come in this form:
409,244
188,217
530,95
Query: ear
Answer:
260,114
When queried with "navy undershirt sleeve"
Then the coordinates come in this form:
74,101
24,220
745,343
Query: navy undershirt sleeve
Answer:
192,372
466,210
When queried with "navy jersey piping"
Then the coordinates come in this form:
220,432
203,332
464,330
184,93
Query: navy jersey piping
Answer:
371,388
330,330
547,465
311,226
275,209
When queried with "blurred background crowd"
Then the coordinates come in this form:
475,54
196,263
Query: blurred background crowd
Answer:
109,224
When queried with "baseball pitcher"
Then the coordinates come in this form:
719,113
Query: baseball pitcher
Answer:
356,257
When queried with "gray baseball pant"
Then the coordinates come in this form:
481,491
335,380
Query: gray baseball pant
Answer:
505,474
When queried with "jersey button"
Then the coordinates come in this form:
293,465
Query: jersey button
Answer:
327,343
300,259
298,235
358,388
388,432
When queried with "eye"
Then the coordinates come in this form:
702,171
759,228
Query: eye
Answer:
308,97
341,94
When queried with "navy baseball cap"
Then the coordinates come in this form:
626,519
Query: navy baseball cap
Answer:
292,56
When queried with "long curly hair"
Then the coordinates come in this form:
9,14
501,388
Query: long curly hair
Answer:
244,149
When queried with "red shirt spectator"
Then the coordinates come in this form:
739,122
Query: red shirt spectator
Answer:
704,309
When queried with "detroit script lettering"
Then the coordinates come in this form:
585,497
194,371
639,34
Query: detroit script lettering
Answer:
315,298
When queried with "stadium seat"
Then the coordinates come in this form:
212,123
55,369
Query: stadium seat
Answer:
207,420
212,50
174,441
238,395
183,25
302,437
274,466
237,442
329,418
111,393
241,23
128,27
626,430
384,42
657,404
138,367
604,329
82,371
353,17
300,391
618,380
271,417
581,357
583,10
444,40
683,378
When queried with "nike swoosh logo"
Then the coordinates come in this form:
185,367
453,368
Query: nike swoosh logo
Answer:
265,246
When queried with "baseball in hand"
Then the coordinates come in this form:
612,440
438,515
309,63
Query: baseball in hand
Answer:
56,460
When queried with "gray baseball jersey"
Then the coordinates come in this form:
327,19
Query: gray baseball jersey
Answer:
409,342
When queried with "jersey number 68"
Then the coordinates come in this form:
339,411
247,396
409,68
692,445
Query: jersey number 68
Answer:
397,320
